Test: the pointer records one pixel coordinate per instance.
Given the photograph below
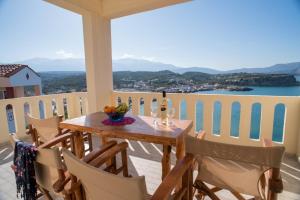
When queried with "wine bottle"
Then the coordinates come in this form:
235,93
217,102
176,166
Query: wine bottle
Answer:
163,108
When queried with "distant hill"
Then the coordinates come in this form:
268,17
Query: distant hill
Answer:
288,68
128,64
45,64
57,82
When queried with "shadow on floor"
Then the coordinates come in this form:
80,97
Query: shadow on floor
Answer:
6,153
147,152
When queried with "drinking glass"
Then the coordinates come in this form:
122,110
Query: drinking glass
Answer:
154,115
170,115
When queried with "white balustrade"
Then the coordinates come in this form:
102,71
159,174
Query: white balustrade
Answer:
291,122
76,104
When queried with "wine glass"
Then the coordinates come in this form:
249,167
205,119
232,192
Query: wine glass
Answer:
170,115
154,115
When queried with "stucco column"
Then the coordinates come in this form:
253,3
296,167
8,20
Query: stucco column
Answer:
98,60
37,90
298,150
19,91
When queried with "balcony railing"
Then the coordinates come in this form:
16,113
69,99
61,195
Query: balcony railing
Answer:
12,111
235,119
232,119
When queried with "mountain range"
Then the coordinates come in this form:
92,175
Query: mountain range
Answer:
129,64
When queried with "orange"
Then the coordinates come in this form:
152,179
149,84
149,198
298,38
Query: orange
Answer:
107,109
113,109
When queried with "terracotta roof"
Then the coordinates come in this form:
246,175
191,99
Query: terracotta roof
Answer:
8,70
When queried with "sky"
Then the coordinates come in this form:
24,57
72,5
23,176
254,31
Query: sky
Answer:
204,33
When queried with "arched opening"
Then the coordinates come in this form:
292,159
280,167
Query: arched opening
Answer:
42,109
255,121
119,100
278,124
199,115
183,112
130,104
54,107
26,112
154,108
10,118
217,118
235,119
142,106
65,103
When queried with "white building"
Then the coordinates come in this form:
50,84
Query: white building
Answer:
13,79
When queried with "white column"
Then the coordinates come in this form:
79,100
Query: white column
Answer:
98,60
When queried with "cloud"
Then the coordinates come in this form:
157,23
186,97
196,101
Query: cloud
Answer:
63,54
126,55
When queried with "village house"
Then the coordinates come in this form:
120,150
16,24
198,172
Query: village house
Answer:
15,77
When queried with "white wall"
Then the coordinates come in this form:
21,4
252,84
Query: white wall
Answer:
19,79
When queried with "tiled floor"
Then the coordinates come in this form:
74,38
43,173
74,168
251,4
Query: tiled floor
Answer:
144,159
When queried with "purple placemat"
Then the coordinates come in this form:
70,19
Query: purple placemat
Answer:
125,121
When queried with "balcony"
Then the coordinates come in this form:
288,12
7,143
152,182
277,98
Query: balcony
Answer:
243,120
144,154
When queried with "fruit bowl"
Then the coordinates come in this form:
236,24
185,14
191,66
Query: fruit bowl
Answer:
116,114
115,117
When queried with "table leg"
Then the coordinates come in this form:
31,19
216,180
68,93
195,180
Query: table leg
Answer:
180,153
166,164
180,149
103,140
78,144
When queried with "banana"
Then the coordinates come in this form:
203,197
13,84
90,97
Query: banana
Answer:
122,108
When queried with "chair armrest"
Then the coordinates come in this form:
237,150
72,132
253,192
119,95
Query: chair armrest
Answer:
13,138
97,152
173,178
108,154
275,182
60,184
28,132
64,131
273,175
267,142
74,186
56,140
201,135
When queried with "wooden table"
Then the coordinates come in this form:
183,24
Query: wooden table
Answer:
141,130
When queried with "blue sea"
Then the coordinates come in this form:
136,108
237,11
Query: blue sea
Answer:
279,113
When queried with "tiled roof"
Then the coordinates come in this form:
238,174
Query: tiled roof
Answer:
8,70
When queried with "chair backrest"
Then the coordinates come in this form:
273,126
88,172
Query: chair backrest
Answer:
47,165
99,184
269,157
46,129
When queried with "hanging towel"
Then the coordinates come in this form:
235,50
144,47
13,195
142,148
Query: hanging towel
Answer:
24,157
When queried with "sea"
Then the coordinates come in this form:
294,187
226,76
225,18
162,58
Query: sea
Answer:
254,132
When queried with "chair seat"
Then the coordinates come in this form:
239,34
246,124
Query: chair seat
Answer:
235,176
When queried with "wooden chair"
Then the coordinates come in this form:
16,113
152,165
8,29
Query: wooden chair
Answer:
249,170
44,130
50,170
100,185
